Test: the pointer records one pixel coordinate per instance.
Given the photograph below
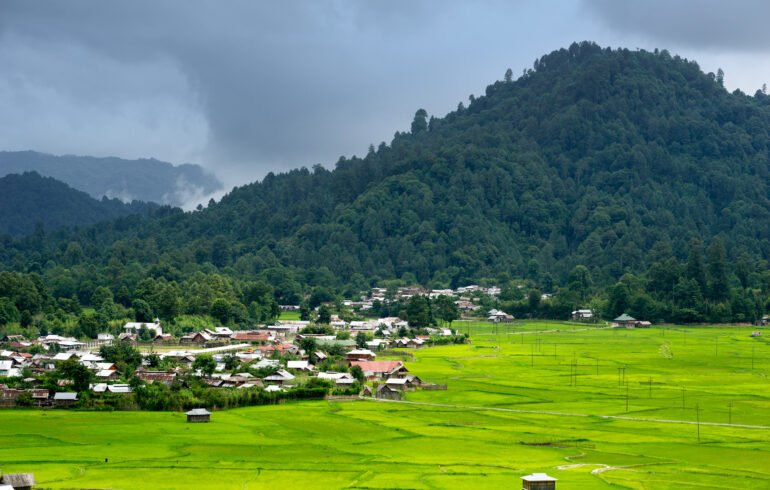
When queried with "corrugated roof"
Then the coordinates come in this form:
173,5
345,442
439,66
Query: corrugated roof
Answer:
198,411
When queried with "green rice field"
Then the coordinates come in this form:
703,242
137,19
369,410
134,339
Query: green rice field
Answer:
662,408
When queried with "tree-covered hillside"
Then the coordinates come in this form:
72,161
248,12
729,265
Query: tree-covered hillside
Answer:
29,200
147,180
611,159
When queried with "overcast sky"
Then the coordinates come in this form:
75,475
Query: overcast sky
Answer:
248,87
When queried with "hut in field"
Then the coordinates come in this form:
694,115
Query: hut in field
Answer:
538,481
625,320
388,392
199,415
19,481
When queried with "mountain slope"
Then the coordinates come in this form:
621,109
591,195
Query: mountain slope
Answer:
144,180
610,158
29,199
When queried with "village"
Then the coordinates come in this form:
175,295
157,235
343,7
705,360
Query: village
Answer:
333,356
275,358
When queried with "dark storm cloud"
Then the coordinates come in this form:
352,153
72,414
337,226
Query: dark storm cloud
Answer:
247,87
739,25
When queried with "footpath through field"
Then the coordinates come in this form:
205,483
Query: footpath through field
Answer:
567,414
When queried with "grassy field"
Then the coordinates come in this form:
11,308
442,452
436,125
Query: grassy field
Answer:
596,408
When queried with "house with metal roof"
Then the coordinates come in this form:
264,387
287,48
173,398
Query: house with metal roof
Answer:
198,415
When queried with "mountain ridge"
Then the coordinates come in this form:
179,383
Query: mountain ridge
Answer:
594,157
29,199
145,179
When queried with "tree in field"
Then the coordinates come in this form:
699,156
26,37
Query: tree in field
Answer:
361,340
304,312
418,312
445,309
358,373
125,356
309,345
324,315
80,375
231,362
205,363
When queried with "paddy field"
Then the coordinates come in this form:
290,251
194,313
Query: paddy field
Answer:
663,408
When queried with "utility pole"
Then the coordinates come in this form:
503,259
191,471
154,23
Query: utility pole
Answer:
626,397
697,418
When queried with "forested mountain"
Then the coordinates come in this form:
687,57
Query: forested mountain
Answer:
29,200
147,180
625,162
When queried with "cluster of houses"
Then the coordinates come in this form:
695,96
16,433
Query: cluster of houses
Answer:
466,297
275,348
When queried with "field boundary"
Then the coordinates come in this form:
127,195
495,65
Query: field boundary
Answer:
568,414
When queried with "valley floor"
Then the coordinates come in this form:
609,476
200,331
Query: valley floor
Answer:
596,408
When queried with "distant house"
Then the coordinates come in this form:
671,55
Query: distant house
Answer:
65,399
360,355
164,377
196,338
582,315
250,336
19,481
625,320
198,415
538,481
164,338
299,365
497,316
388,392
135,327
106,374
6,368
381,369
280,377
399,384
222,333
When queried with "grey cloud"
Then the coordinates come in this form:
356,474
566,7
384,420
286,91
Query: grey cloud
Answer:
702,24
247,87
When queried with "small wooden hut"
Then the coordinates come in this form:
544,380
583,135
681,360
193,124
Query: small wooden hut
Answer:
538,481
625,320
199,415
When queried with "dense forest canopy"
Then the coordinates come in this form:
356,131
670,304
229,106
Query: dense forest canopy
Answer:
147,180
28,201
597,168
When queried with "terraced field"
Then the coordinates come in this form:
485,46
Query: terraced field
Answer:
596,408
